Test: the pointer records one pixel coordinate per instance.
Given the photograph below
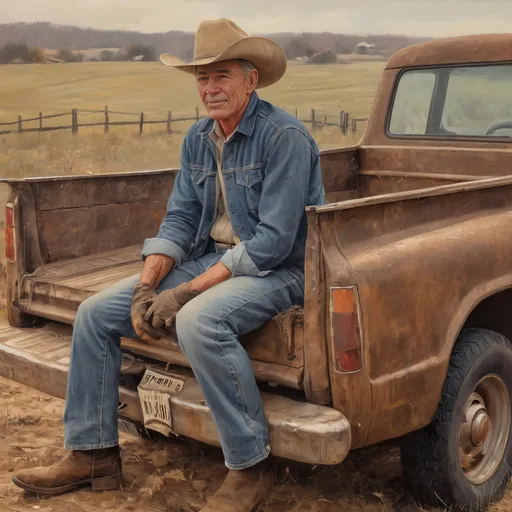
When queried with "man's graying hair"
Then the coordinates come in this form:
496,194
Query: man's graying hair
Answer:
246,66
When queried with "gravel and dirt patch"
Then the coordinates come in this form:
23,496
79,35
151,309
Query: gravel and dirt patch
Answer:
180,474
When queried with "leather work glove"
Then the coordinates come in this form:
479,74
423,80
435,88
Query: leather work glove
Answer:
143,297
165,307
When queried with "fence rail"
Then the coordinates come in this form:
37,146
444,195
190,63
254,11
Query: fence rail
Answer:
345,121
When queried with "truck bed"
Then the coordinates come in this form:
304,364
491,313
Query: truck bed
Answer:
55,290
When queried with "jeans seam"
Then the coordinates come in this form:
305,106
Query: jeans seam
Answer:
102,397
250,423
100,405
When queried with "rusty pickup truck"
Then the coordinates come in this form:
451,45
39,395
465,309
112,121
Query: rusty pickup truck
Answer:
406,328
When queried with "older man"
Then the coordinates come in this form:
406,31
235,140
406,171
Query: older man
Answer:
228,257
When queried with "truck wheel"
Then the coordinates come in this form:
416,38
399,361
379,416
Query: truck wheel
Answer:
463,457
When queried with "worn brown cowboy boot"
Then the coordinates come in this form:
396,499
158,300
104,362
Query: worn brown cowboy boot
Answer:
101,469
242,491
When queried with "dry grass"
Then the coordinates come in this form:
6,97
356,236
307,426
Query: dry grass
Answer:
152,87
59,153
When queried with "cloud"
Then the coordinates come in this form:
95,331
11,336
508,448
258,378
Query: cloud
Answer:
411,17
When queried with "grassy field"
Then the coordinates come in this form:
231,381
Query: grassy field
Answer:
153,89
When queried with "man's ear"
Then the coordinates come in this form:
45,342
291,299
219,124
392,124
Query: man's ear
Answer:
253,81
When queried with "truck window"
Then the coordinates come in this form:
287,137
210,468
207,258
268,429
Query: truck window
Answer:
469,101
412,103
478,99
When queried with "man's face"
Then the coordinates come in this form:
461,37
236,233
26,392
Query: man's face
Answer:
225,88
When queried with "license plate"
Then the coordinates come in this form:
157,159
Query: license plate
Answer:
155,391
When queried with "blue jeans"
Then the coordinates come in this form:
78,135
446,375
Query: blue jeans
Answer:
208,329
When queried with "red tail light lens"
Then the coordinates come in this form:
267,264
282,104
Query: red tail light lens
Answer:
9,216
10,238
345,330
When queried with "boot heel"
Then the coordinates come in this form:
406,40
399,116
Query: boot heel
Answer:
107,483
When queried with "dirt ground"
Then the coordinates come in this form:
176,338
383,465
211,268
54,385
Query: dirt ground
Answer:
180,474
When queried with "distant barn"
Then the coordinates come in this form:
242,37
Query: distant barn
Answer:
364,48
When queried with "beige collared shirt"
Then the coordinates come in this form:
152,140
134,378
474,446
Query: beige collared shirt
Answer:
222,231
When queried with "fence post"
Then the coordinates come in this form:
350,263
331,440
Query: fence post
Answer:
345,124
296,113
342,121
74,121
313,119
141,125
40,121
169,120
107,120
197,114
20,124
354,125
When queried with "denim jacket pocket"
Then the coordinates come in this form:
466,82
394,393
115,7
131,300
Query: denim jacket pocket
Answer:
250,179
248,176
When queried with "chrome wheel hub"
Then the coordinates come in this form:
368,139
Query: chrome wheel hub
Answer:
484,429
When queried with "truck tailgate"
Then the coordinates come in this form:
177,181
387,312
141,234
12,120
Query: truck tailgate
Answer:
309,433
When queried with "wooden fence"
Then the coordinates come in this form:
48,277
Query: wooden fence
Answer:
343,120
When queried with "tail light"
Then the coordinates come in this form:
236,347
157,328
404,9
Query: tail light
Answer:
345,330
10,238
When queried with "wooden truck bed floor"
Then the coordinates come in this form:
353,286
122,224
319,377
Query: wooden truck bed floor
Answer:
54,291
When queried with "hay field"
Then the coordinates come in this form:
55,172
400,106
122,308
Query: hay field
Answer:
136,87
153,89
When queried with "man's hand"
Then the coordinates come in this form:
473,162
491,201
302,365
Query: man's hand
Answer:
143,297
166,305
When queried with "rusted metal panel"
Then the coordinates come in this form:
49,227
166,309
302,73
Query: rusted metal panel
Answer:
147,174
339,170
67,234
397,168
316,371
81,193
298,430
455,50
416,259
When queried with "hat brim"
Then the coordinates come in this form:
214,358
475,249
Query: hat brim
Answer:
266,56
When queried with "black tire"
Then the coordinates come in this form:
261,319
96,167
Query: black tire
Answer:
430,457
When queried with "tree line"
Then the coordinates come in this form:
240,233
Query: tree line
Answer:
181,44
24,54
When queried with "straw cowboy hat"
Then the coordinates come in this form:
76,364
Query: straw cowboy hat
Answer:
222,39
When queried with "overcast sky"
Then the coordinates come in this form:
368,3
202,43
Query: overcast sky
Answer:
411,17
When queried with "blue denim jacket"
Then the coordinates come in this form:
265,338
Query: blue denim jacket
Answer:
271,168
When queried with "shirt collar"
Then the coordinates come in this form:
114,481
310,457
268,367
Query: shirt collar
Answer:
216,134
